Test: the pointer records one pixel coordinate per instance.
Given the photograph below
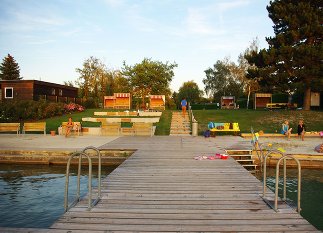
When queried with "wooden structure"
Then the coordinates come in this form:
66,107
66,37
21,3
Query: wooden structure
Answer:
262,99
34,127
228,102
157,102
118,101
315,99
36,90
162,188
10,127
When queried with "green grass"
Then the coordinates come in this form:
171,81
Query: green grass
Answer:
54,122
268,121
163,126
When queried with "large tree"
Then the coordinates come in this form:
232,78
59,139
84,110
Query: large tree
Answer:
223,79
9,69
93,80
149,77
190,91
295,53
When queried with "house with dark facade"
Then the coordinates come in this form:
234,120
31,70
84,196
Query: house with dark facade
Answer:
36,90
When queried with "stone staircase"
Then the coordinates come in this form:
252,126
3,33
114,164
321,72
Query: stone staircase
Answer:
180,126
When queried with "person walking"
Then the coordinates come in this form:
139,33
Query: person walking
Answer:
184,104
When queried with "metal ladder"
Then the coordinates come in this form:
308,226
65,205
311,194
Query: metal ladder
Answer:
78,197
299,179
263,167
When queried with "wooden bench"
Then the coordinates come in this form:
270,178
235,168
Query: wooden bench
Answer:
77,127
110,128
226,128
10,127
34,127
143,129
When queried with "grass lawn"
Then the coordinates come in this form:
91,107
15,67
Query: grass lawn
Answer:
54,122
268,121
163,126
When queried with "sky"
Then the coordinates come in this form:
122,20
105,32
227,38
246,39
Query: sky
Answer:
49,39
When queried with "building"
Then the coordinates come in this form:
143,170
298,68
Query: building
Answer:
36,90
157,102
118,101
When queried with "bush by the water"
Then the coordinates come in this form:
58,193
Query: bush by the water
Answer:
12,111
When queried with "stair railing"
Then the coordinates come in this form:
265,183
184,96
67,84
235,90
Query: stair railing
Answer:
78,196
298,182
283,158
99,171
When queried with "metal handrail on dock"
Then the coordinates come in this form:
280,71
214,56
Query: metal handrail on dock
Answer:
284,157
78,196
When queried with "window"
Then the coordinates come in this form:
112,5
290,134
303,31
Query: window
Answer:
60,92
53,91
8,93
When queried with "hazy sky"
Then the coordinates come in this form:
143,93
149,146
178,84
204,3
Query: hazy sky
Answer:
50,38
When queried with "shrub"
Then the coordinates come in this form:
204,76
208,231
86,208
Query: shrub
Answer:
13,111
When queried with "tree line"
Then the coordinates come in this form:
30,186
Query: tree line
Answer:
291,64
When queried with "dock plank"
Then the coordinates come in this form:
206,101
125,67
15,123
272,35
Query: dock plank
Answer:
162,188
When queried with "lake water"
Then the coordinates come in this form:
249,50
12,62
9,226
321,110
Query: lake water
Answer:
311,194
33,195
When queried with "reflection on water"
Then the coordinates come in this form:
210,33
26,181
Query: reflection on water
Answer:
311,194
33,195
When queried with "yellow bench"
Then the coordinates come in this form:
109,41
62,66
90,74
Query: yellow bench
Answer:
76,127
110,128
226,128
34,126
276,105
10,127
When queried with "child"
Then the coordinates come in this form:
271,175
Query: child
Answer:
286,130
301,129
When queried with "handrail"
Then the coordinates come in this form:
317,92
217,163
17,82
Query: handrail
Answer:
298,182
99,172
265,171
77,199
263,162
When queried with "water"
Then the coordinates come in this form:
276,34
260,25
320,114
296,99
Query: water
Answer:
311,194
33,195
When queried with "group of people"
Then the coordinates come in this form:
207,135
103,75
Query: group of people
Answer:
286,130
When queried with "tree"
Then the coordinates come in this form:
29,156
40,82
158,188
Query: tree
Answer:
9,69
295,53
249,85
149,77
93,80
223,79
190,91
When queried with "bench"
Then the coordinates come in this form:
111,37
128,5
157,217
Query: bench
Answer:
34,127
143,129
10,127
110,128
225,127
76,127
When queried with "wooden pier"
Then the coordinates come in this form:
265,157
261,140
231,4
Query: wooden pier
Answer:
162,188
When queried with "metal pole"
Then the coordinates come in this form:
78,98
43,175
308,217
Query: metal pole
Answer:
284,191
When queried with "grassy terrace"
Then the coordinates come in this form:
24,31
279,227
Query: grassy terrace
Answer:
268,121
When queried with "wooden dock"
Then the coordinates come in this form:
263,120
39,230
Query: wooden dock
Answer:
162,188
